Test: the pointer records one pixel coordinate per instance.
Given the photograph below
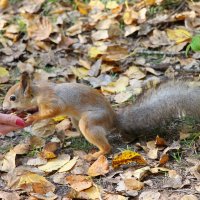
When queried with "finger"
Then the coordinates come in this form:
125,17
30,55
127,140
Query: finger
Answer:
4,129
11,120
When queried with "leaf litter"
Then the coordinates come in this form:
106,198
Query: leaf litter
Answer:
100,43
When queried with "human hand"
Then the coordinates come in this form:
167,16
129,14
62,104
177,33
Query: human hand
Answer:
9,123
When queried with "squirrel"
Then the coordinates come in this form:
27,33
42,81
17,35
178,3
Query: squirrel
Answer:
92,114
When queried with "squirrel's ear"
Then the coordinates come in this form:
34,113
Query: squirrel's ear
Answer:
25,82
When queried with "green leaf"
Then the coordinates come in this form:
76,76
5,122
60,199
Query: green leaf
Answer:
187,49
195,44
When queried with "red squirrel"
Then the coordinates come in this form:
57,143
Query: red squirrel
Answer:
93,115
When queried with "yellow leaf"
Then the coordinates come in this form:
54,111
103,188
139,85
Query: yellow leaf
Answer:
55,164
126,157
179,35
130,16
93,52
144,3
35,183
4,75
118,86
68,165
80,72
82,7
47,154
3,4
59,118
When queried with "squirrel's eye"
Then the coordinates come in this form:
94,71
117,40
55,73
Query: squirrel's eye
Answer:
12,98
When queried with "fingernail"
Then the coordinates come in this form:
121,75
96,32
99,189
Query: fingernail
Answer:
20,122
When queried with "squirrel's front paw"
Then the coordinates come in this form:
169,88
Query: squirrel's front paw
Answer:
31,119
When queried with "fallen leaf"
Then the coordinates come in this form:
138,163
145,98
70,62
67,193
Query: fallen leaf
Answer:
35,183
21,149
114,197
115,53
91,193
8,162
141,173
123,97
100,35
59,118
99,167
147,195
55,163
163,159
174,180
160,141
68,166
133,184
126,157
93,52
130,16
63,125
130,29
156,170
47,196
153,153
3,4
9,195
134,72
179,35
4,75
116,87
111,4
49,149
189,197
75,29
80,72
82,7
36,161
79,182
41,30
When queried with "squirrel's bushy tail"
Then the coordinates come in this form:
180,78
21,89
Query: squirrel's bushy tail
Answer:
158,106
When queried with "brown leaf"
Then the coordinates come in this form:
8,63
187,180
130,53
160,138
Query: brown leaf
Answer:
35,183
3,4
133,184
41,30
21,148
99,167
163,159
92,193
160,141
79,182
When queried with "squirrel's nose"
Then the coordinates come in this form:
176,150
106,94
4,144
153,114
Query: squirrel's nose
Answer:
5,106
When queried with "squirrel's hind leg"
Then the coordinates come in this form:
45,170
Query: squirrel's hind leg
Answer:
95,132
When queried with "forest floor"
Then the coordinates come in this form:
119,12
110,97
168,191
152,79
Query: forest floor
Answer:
121,48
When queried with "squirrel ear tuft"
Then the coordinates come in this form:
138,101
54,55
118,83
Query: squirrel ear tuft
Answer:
25,83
